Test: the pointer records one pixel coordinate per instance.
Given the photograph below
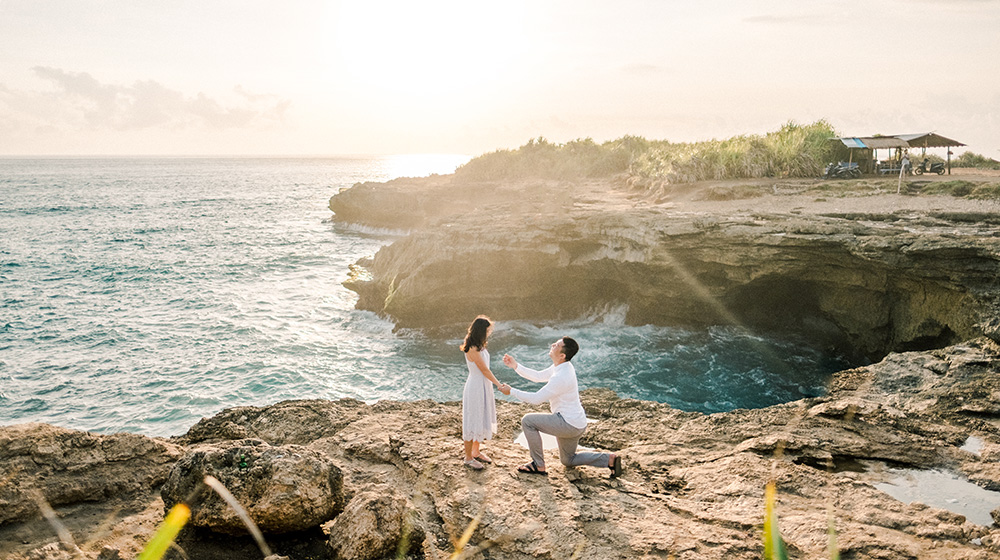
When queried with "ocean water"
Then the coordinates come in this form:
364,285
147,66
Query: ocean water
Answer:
142,294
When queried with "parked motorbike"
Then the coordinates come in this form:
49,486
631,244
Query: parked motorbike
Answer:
937,167
842,170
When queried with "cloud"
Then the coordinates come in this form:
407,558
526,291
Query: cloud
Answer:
81,101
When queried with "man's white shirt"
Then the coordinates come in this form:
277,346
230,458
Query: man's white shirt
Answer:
560,390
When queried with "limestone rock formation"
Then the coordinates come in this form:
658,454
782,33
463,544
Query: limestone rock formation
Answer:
863,282
283,487
693,486
903,282
64,467
375,524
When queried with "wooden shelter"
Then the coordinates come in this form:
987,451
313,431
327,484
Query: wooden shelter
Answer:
899,142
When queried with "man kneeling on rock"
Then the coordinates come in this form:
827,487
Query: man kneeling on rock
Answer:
567,422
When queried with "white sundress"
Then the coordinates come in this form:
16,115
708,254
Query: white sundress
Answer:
479,406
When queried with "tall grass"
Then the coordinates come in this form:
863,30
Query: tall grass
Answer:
792,151
969,159
543,159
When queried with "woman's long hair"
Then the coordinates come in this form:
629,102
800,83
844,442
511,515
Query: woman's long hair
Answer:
476,337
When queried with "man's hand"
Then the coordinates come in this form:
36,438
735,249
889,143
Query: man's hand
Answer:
509,361
504,388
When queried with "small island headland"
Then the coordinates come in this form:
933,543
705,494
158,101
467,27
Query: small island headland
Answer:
906,283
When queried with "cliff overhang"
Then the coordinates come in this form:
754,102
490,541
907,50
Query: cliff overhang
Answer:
887,276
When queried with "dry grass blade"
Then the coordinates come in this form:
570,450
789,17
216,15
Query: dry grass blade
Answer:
774,546
832,534
157,546
65,537
472,552
467,535
221,490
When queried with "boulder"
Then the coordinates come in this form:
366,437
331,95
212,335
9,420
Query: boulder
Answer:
991,328
375,524
283,488
287,422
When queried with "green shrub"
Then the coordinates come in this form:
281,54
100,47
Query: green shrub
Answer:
954,188
792,151
541,158
969,159
986,191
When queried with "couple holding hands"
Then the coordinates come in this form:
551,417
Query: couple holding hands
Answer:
567,422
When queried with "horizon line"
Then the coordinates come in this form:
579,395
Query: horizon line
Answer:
193,156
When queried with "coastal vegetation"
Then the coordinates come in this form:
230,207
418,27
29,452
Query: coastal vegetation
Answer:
544,159
957,188
792,151
977,161
967,160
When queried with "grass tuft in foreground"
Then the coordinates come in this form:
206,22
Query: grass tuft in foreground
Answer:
774,545
157,546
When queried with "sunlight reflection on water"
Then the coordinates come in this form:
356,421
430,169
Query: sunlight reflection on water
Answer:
143,294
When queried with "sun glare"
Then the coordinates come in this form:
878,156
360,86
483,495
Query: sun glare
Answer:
430,51
421,165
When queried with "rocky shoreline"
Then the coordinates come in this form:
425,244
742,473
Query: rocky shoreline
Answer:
906,282
693,486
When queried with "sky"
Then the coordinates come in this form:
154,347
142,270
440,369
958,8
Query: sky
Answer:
379,77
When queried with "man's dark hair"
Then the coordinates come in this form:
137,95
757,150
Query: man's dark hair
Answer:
570,348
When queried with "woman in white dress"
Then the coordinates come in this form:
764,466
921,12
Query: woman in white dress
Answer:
479,407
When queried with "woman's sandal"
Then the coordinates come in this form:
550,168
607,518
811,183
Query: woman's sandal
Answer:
616,467
474,465
531,468
483,459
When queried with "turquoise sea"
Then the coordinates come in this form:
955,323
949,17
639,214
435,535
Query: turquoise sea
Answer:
141,294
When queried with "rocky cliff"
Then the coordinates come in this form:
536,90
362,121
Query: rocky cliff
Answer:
693,486
907,281
866,272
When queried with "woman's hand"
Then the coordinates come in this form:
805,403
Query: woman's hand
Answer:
504,388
